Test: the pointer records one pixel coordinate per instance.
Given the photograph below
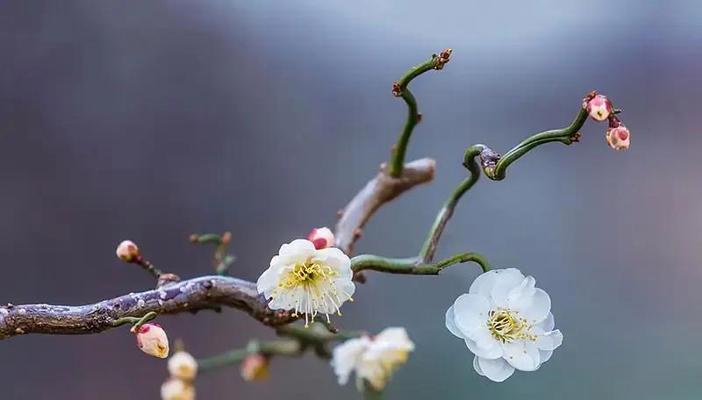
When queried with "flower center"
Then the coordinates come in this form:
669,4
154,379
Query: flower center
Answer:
318,289
506,326
307,273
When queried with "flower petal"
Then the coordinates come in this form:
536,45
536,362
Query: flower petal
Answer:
550,340
547,324
490,352
522,293
545,355
505,282
470,312
299,250
496,370
451,325
476,366
484,283
522,355
534,309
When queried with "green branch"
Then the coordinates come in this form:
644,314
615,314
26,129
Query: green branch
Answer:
400,89
413,266
567,136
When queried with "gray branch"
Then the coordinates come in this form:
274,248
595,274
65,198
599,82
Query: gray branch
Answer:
207,292
377,192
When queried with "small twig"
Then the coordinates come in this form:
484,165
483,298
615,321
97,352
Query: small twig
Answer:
400,89
220,259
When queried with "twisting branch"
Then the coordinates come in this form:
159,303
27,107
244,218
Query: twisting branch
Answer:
495,167
377,192
400,89
413,266
426,254
207,292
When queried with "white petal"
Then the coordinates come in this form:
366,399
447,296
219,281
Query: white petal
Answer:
521,293
536,308
470,312
396,336
298,250
476,366
267,282
333,257
545,355
495,370
484,283
345,357
550,340
345,288
491,352
506,281
548,324
522,355
451,325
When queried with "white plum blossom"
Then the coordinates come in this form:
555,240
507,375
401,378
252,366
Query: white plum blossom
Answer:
152,340
307,280
374,359
183,366
176,389
506,322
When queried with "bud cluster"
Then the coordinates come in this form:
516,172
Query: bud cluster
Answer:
600,108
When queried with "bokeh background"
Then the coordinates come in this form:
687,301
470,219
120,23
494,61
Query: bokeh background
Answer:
151,120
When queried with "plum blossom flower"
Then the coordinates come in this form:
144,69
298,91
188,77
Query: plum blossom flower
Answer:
374,359
183,366
321,238
176,389
506,322
152,340
307,280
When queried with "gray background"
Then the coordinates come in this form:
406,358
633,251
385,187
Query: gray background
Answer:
151,120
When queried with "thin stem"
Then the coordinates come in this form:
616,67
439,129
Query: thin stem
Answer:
566,135
397,159
281,347
414,266
428,250
135,321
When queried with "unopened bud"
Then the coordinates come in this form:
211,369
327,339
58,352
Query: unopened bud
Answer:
321,238
254,368
599,107
152,340
183,366
176,389
618,137
127,251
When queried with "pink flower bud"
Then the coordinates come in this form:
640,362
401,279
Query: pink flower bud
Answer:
254,368
618,137
127,251
152,340
175,389
599,107
321,238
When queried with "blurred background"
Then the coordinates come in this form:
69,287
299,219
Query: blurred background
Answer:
154,120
